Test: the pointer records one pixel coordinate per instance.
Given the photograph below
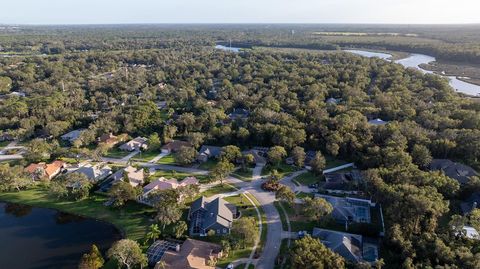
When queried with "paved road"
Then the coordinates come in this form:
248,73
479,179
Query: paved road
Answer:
274,226
10,157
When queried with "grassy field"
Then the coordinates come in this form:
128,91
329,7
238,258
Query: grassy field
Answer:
283,217
218,189
284,255
132,220
4,143
116,153
177,175
208,165
245,175
169,159
307,178
333,162
283,169
263,236
145,156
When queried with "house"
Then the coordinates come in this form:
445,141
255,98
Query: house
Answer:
174,146
238,114
44,170
6,137
470,232
206,215
95,172
333,101
72,136
258,156
162,184
352,247
137,143
135,177
207,152
457,171
377,122
348,209
342,182
110,139
471,203
161,104
192,254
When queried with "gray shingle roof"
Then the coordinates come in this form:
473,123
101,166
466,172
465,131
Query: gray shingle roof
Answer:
457,171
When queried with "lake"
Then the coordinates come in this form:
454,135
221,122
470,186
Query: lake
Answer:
232,49
415,60
40,238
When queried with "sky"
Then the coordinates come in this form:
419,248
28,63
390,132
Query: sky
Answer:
239,11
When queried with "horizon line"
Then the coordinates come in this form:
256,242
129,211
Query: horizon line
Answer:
241,23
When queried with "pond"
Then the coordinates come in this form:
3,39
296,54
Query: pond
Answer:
40,238
415,60
232,49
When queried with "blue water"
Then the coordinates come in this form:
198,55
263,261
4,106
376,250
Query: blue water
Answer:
40,238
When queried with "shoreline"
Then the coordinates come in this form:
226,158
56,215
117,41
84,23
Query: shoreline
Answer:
129,225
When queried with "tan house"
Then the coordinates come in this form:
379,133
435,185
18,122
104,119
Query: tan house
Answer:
137,143
44,170
193,254
162,184
175,146
111,139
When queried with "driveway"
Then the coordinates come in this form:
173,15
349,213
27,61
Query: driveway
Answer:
158,157
123,160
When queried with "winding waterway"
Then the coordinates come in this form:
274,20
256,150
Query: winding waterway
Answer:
415,60
37,238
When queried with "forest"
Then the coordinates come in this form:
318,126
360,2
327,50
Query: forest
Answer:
110,79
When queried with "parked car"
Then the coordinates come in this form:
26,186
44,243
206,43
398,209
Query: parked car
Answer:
230,266
302,234
313,186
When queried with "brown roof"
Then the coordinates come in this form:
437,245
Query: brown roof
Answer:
176,145
192,254
108,139
50,170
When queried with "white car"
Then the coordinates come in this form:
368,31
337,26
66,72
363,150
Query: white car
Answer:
230,266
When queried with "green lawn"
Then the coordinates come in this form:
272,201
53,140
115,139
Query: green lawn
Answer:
4,143
283,169
145,156
132,220
283,218
333,162
303,195
208,165
284,255
245,175
116,153
308,178
177,175
217,189
169,159
263,236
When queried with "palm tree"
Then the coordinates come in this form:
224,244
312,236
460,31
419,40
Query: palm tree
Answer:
153,234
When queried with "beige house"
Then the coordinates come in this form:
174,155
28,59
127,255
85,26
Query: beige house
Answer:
192,254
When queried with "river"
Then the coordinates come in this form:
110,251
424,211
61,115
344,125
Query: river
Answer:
37,238
415,60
